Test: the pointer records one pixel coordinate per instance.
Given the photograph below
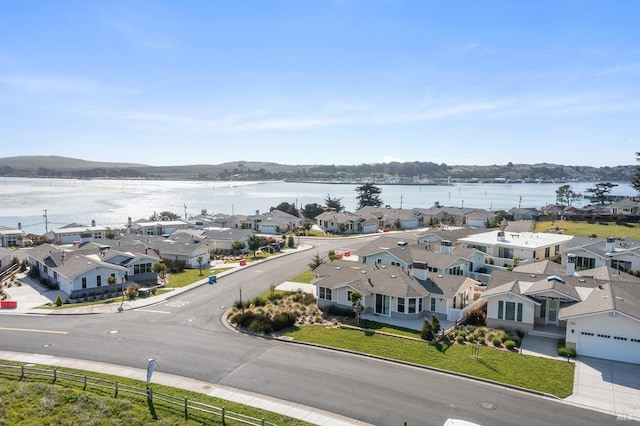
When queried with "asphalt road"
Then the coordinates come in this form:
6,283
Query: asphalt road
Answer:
187,337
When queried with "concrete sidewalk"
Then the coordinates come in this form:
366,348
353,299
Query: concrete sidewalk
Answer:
285,408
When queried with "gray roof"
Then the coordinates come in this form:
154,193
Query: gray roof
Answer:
389,280
614,296
230,234
597,246
544,267
607,273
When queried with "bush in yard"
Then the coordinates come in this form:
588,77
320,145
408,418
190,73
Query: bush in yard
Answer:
58,301
566,352
426,333
496,342
460,338
509,344
482,341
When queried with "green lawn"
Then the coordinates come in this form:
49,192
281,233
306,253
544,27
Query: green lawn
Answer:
493,364
586,229
305,277
190,276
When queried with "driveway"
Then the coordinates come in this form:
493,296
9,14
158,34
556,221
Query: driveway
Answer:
608,386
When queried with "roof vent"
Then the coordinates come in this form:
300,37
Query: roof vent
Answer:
532,275
364,272
393,276
337,267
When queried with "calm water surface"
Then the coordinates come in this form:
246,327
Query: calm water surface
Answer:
111,202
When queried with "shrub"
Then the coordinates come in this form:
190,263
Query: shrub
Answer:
482,341
477,317
509,344
58,301
496,342
426,333
566,352
460,339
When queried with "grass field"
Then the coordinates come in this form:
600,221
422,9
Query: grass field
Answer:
493,364
36,401
586,229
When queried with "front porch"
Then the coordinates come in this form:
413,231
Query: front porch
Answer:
548,330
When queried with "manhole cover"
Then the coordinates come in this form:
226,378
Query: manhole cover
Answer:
488,405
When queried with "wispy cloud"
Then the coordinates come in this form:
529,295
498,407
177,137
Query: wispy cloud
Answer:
49,85
142,37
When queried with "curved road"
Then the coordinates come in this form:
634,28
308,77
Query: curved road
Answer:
186,335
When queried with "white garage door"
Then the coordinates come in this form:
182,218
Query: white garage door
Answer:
607,346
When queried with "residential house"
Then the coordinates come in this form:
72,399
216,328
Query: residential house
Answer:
161,227
606,323
389,218
480,218
10,237
525,213
6,257
588,253
76,234
346,223
438,214
274,222
392,291
627,207
79,273
504,248
221,240
193,252
596,312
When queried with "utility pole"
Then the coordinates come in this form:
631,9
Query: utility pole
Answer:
46,222
400,201
520,201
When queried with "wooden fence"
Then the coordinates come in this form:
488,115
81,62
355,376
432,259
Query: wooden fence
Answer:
190,409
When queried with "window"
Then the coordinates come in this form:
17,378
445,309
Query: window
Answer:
510,311
556,249
456,270
84,282
420,304
324,293
505,253
349,293
401,305
99,281
583,263
547,251
143,268
433,304
620,265
412,306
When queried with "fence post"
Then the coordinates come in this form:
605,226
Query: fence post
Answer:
152,410
21,372
186,409
262,422
116,395
223,417
55,374
85,383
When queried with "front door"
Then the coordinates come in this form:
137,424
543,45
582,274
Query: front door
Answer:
552,311
382,304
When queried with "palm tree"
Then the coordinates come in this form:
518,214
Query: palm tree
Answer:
199,259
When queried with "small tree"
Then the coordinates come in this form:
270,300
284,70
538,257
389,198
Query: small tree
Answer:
426,333
316,261
237,246
160,268
566,196
334,203
254,242
435,324
200,259
599,194
58,300
356,304
290,242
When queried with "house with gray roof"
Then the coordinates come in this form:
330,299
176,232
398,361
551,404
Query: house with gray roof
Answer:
345,223
389,218
588,253
627,207
193,252
273,223
76,234
10,237
78,273
392,291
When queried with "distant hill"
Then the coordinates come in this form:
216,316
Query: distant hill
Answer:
56,166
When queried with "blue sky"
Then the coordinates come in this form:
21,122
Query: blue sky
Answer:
321,82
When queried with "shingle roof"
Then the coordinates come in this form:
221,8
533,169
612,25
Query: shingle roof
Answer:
619,296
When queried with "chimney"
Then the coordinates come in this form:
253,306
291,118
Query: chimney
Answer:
257,212
20,225
501,236
446,247
571,264
93,223
610,246
420,270
129,222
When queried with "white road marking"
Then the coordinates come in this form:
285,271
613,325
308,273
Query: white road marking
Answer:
152,311
33,330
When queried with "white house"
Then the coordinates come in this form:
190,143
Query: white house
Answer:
588,253
79,234
504,246
10,237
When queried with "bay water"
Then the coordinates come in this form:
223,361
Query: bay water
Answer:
110,203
